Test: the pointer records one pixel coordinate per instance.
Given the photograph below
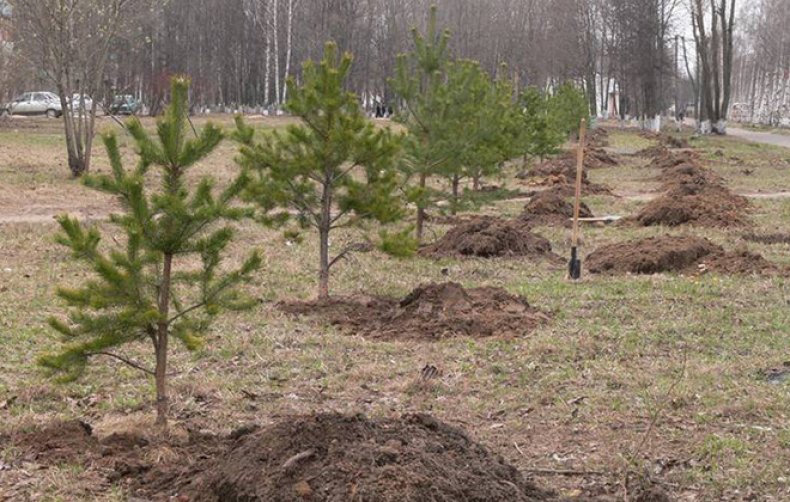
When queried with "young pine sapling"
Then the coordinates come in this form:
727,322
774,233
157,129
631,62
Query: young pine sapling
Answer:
335,169
151,288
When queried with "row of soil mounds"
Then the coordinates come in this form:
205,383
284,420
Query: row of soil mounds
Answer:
681,253
692,194
489,237
560,172
430,312
320,457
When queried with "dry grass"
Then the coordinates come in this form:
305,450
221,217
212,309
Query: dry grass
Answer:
647,374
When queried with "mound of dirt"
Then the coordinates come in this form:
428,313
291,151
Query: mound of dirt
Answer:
656,151
740,262
688,173
697,203
337,457
672,159
650,256
55,443
598,137
549,208
597,158
488,237
432,311
674,141
775,238
676,254
560,173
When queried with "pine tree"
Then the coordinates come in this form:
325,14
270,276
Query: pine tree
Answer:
334,170
539,135
148,288
567,107
419,82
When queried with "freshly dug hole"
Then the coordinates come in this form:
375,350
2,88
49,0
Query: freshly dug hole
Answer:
489,237
430,312
332,457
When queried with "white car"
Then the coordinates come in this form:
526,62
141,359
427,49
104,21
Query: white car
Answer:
78,100
34,103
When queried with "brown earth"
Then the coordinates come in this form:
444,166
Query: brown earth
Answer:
655,151
550,208
674,142
333,457
775,238
680,253
560,172
488,237
702,204
430,312
314,457
693,195
598,137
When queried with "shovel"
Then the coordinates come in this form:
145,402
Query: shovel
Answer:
575,265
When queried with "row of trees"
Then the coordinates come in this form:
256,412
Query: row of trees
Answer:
241,52
334,169
761,66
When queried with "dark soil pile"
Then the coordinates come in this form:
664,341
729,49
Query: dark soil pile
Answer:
488,237
314,457
656,151
597,158
672,159
550,208
432,311
697,203
598,137
737,262
651,255
675,254
776,238
693,195
337,458
560,173
674,142
56,443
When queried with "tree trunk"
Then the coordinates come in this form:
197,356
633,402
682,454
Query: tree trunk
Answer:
276,55
456,183
421,210
323,237
288,48
162,335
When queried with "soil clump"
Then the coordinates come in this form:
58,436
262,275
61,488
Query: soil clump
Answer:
430,312
550,208
489,237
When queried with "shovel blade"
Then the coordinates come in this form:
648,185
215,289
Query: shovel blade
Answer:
574,265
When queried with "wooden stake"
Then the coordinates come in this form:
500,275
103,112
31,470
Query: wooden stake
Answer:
575,265
579,171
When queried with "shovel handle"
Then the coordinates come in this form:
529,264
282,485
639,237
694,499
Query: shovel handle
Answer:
579,170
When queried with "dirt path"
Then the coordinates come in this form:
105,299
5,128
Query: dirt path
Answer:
766,138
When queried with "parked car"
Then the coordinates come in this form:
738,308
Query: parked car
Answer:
124,105
35,103
78,100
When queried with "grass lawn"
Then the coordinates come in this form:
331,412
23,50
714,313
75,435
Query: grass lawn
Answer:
658,375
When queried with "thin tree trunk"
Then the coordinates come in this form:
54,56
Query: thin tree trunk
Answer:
162,335
323,237
276,55
288,48
456,183
421,210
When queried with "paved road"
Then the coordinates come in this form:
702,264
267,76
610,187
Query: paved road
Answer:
760,137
